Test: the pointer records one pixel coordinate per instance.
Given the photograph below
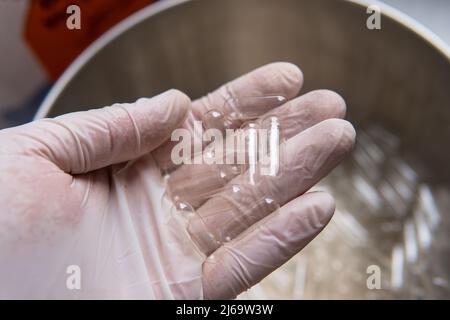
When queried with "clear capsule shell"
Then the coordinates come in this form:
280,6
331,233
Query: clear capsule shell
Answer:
226,215
238,110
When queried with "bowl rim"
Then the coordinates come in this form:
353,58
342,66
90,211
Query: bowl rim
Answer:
395,14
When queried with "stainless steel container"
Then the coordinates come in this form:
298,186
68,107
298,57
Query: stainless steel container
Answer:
397,77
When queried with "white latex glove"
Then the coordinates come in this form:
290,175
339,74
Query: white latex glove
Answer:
85,189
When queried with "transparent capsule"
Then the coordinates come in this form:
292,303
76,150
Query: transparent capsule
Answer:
238,110
264,147
226,215
194,184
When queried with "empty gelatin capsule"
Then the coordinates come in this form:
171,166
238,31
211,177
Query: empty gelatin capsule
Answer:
238,110
224,216
194,184
264,145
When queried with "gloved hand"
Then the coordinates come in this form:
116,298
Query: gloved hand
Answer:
85,189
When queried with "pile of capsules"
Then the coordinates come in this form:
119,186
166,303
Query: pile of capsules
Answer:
220,185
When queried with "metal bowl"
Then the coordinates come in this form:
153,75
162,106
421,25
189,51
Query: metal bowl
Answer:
397,77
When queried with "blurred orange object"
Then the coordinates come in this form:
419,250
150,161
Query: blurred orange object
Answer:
55,45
